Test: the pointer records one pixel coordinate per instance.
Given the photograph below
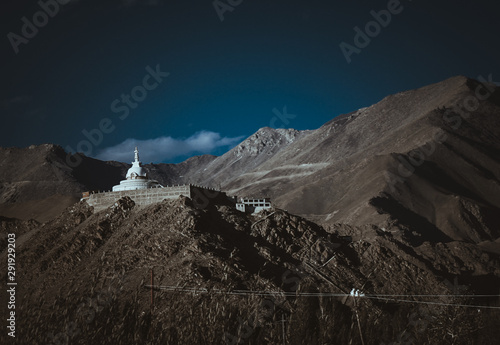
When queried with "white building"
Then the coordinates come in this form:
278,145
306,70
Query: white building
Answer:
137,177
250,205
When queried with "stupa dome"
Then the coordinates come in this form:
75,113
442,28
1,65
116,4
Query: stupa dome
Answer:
136,171
137,177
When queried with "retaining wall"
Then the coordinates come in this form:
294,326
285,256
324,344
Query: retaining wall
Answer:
142,197
201,196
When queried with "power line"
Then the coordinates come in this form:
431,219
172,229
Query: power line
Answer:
324,294
443,295
435,303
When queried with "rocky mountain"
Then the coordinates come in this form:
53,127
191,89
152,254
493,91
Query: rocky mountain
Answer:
385,230
248,156
417,158
173,273
40,181
426,158
37,182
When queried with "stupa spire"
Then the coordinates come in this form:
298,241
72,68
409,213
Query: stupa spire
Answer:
136,151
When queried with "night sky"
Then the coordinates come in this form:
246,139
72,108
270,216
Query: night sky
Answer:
180,78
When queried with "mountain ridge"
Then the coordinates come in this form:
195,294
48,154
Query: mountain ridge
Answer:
401,198
354,169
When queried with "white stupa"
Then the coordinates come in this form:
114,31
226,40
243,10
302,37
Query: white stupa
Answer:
137,177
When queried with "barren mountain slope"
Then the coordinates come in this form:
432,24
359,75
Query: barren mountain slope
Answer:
350,169
35,182
180,173
363,132
407,191
247,156
85,280
38,182
409,159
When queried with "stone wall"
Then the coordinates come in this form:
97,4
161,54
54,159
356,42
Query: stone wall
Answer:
201,196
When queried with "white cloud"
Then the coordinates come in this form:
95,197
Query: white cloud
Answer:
166,148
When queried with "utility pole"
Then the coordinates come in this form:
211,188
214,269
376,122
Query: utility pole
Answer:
152,296
283,327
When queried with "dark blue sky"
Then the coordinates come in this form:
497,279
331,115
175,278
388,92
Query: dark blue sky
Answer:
226,78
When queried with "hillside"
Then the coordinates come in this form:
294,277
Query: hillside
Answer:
399,200
416,159
356,168
38,183
248,156
87,279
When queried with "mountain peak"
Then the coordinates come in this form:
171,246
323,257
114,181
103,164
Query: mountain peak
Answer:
267,140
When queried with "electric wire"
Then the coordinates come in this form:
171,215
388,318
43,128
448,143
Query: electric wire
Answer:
385,297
